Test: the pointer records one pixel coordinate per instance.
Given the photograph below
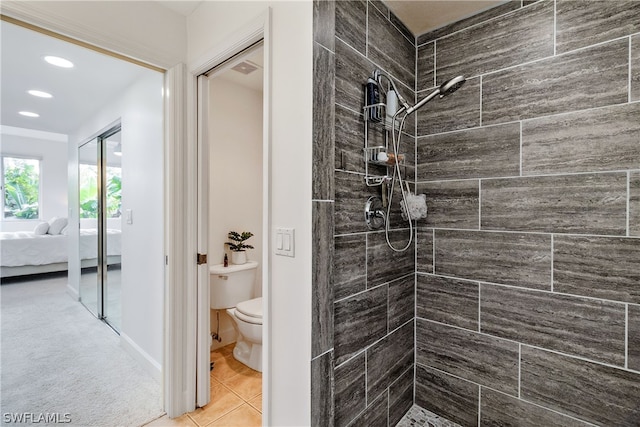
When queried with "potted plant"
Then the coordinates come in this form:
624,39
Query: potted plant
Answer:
237,246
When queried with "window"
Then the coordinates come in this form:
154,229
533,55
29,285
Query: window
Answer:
20,188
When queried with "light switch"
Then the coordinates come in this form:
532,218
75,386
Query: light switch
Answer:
285,242
129,214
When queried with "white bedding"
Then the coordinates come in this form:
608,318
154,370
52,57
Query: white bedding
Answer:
25,248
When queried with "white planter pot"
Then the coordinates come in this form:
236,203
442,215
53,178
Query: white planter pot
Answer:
238,257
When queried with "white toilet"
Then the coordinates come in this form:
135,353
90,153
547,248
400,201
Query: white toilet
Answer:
232,289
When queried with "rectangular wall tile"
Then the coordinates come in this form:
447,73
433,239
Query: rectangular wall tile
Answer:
390,49
323,119
634,203
587,78
425,67
424,248
376,414
586,141
324,23
581,24
400,397
574,325
634,337
352,71
450,397
451,301
460,110
351,23
359,321
583,204
388,359
451,204
470,355
322,265
599,267
586,390
498,409
349,137
402,301
516,259
384,264
351,196
522,36
635,68
492,151
350,390
349,265
322,413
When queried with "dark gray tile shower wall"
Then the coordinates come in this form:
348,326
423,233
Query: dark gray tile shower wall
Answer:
527,294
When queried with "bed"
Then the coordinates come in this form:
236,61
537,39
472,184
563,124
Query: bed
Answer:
24,252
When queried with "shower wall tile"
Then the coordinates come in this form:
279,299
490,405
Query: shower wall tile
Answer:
350,390
376,414
634,203
352,72
322,413
634,337
402,301
424,249
517,259
461,111
324,23
635,68
451,204
475,153
445,300
359,322
351,196
400,397
470,21
485,360
447,396
323,118
599,267
384,264
349,136
522,36
425,79
498,409
588,78
389,48
586,141
573,325
349,265
322,265
585,390
388,359
583,204
581,24
379,4
351,23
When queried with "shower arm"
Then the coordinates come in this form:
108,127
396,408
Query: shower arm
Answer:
423,101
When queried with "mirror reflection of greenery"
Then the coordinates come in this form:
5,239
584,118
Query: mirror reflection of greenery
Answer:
89,191
21,188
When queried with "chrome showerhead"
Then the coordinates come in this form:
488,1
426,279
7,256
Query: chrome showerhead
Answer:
445,89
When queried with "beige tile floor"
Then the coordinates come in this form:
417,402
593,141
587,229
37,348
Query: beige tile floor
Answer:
236,397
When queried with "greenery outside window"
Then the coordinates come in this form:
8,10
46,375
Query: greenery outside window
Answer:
89,191
20,188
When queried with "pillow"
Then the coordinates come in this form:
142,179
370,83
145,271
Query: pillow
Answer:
41,229
65,230
56,225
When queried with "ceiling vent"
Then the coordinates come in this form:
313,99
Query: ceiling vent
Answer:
245,67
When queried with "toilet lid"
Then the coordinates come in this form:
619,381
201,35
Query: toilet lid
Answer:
250,311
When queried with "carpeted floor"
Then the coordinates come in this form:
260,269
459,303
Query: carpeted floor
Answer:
56,358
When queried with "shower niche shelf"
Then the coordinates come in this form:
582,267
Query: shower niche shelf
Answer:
371,153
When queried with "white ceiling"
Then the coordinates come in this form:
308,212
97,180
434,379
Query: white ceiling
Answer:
421,16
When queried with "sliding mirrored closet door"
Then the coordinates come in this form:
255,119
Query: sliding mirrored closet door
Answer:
100,195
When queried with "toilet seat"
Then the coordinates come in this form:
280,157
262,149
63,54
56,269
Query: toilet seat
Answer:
250,311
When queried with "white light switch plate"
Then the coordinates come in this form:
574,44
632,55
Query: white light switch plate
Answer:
285,242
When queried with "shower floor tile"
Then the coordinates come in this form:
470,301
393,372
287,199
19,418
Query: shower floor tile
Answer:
418,417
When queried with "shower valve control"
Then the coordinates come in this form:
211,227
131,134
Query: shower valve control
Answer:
285,242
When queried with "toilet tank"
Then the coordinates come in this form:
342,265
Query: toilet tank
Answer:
231,285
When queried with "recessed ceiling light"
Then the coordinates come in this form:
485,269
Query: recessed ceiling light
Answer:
58,62
29,114
39,94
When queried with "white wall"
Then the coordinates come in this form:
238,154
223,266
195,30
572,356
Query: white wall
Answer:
291,114
140,110
53,176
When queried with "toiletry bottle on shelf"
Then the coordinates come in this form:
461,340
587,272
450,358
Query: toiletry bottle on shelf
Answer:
226,260
373,98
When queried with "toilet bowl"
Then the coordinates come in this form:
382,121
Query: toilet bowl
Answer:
247,319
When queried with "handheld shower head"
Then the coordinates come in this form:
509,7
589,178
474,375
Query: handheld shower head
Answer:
445,89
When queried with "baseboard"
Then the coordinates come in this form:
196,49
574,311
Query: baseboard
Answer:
73,293
147,362
228,336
